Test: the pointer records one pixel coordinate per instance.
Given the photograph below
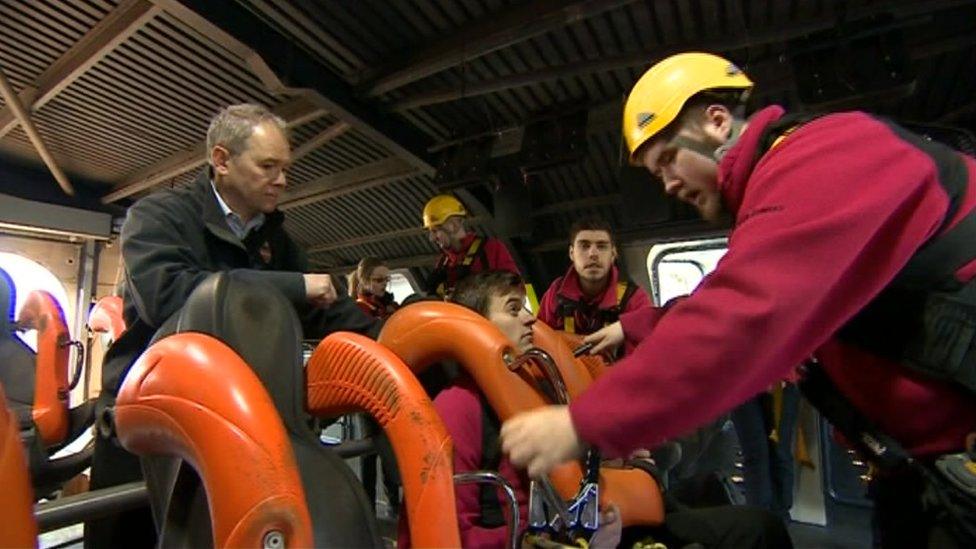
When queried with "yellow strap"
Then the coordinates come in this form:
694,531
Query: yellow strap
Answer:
783,136
569,325
533,300
472,252
621,291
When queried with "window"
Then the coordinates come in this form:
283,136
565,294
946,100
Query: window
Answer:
400,285
29,276
677,268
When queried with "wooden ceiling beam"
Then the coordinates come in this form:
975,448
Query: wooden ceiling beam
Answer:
297,109
485,36
340,184
121,23
645,59
21,115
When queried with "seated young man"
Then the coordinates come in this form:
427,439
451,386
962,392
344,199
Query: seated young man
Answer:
499,296
592,293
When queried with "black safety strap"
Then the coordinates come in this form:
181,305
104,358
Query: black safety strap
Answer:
876,446
567,308
491,456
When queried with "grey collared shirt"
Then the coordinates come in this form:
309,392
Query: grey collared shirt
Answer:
234,221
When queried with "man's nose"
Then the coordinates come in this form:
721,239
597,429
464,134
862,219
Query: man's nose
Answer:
671,184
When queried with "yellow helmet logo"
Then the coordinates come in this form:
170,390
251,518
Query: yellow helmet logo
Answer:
658,97
441,207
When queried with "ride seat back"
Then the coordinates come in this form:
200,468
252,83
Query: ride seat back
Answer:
16,358
260,324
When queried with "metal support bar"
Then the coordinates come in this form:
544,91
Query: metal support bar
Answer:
495,479
90,505
87,282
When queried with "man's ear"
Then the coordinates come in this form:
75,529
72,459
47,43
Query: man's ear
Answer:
613,253
570,252
718,121
219,157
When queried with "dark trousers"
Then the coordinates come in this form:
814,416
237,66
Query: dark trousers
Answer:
723,527
111,466
768,465
900,520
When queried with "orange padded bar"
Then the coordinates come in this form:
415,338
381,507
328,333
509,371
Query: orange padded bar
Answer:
191,396
560,345
41,312
17,527
106,317
428,332
350,373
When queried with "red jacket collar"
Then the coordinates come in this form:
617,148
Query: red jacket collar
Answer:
570,289
737,164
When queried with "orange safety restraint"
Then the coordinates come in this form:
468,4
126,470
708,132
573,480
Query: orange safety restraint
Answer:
191,396
41,312
18,528
427,332
350,373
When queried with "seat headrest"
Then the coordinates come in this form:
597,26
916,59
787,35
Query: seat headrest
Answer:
258,322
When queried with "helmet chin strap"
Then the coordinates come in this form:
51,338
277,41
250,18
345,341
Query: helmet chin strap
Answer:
707,150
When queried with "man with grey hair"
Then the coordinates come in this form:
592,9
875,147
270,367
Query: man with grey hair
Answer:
225,221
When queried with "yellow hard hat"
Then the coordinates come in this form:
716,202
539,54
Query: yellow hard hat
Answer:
657,98
441,207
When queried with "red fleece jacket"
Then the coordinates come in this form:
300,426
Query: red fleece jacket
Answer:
460,408
823,222
568,286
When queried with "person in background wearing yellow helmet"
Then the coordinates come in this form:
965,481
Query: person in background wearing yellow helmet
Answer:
592,293
854,241
463,252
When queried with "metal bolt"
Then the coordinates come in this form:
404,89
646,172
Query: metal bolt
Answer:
273,540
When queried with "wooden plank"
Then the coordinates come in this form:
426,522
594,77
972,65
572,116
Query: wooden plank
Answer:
738,40
349,181
485,36
104,37
295,110
14,104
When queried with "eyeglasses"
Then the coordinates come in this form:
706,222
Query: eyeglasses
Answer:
380,280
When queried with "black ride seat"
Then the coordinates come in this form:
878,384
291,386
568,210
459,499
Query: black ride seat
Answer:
261,325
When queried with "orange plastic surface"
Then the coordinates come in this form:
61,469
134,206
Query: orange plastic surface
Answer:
429,332
191,396
41,312
350,373
17,526
561,344
106,317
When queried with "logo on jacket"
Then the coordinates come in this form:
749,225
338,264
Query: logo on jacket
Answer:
265,252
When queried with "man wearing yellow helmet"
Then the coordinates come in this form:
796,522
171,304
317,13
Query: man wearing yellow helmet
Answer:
853,240
462,251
